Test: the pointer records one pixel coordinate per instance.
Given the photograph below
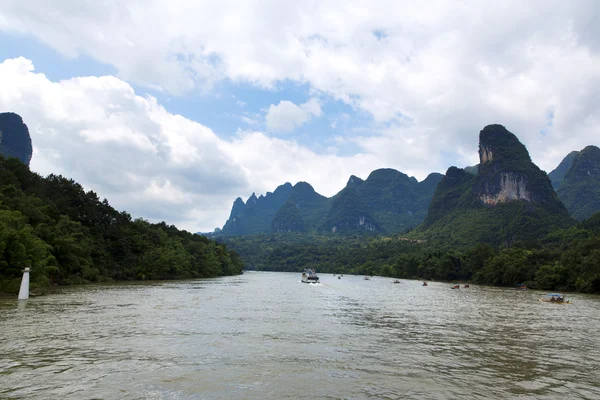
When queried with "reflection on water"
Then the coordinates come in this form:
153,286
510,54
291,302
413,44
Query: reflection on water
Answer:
266,335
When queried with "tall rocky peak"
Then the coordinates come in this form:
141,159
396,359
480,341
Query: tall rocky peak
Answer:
506,172
507,199
558,174
14,138
585,165
579,190
354,181
256,214
238,208
252,199
496,143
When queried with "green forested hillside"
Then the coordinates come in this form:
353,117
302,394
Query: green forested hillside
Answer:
509,199
557,176
566,259
396,201
387,201
288,219
66,235
256,215
580,187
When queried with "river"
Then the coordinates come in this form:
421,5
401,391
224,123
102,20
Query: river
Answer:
268,336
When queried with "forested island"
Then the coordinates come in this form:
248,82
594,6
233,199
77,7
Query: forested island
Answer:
69,236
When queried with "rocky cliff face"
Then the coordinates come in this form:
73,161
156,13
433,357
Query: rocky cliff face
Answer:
511,187
14,138
506,172
506,198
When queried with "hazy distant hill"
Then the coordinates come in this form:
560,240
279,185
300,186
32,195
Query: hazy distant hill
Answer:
387,201
577,182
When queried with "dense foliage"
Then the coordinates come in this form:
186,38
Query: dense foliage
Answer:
288,219
567,259
397,202
580,188
66,235
348,213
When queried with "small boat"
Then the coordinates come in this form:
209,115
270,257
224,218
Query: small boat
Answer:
466,286
521,286
455,287
310,276
396,281
555,298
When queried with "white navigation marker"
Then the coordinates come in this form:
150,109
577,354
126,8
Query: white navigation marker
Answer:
24,291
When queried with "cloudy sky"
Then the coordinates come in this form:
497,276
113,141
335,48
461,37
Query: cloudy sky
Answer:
172,109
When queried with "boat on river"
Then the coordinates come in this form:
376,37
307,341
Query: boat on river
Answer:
310,276
555,298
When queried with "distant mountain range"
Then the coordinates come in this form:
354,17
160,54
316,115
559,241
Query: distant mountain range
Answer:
387,201
505,198
14,138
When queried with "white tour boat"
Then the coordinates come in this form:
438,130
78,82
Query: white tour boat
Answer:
310,276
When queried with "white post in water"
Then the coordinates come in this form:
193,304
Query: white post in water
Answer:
24,291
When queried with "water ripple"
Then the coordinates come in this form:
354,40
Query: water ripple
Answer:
265,335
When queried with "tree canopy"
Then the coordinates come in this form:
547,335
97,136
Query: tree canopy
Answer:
69,236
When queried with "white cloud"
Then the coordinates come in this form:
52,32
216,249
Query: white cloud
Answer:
440,73
287,116
157,165
127,148
449,69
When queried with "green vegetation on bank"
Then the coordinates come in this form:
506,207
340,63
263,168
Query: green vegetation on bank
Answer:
566,259
69,236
